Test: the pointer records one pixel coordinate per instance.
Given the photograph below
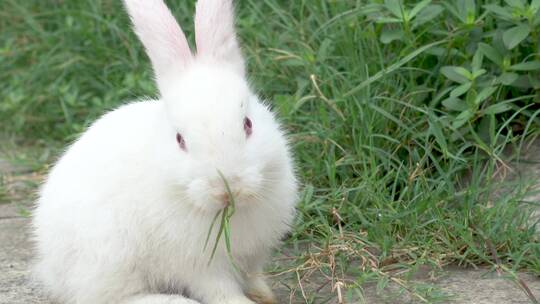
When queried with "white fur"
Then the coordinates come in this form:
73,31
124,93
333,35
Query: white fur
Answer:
124,214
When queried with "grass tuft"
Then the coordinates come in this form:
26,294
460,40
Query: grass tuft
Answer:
225,223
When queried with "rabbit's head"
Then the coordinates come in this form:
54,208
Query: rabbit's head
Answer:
219,124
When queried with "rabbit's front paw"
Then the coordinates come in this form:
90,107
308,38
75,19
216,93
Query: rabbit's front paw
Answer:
236,300
263,298
157,299
260,292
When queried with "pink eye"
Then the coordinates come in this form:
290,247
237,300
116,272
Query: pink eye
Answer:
248,126
181,142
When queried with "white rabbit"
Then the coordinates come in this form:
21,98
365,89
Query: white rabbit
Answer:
124,214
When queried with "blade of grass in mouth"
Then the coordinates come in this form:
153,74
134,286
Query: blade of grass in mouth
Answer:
225,226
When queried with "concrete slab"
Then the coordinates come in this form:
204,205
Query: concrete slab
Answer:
456,286
16,286
482,287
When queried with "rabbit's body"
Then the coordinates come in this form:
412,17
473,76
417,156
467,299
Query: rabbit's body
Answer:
125,213
134,232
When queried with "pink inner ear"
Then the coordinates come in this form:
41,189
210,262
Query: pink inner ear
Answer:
214,32
213,24
161,36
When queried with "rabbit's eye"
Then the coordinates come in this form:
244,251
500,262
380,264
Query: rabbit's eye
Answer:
248,126
181,142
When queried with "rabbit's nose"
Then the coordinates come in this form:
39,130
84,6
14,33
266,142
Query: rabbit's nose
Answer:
224,197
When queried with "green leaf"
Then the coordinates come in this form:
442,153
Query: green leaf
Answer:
536,19
427,14
470,98
478,73
457,74
491,53
508,78
462,119
470,6
455,104
484,94
502,12
515,3
218,236
389,35
535,5
484,128
435,128
395,7
437,51
421,5
211,228
225,226
227,231
393,67
460,90
535,83
497,108
477,61
512,37
386,20
526,66
452,9
470,10
523,82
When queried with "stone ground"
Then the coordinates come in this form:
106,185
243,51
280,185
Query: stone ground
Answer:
466,286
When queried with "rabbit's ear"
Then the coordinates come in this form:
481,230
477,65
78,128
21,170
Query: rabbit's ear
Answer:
162,37
214,32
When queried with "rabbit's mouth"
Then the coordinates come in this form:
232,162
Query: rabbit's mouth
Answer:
234,199
238,189
212,199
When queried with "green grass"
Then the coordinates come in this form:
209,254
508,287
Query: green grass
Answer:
399,157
